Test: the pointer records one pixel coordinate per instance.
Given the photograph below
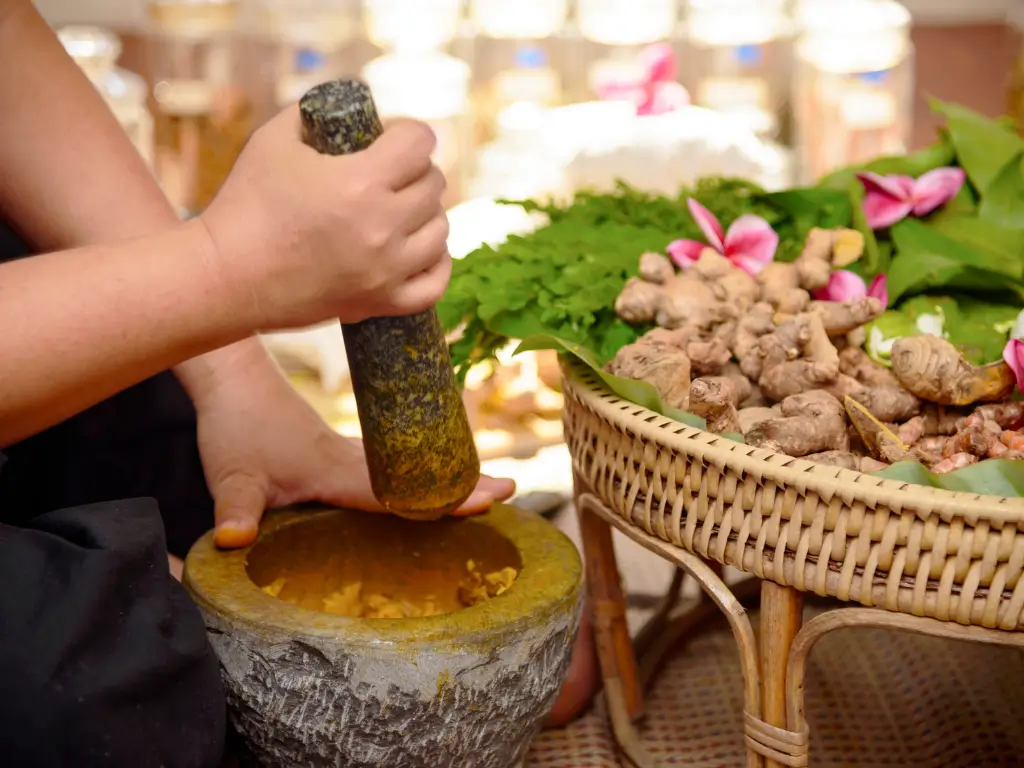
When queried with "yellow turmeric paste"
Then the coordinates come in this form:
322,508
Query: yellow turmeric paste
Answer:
476,587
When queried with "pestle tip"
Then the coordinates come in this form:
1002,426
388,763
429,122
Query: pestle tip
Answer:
339,117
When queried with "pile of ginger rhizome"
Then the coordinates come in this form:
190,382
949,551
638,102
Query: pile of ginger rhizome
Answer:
758,357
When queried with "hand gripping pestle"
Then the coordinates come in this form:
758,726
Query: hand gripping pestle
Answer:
419,446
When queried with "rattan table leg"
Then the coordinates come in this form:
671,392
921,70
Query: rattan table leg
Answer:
651,656
608,603
719,593
619,669
781,617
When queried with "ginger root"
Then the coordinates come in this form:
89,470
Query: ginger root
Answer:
758,356
954,462
708,352
655,268
934,370
728,283
746,347
879,439
751,417
811,422
846,460
715,399
638,301
788,287
843,317
797,357
665,367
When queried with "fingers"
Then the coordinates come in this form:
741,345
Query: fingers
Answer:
501,488
424,248
403,152
488,490
421,201
239,502
176,566
423,291
287,123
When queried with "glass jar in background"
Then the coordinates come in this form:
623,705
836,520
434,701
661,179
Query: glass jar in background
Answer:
310,37
96,51
626,22
203,114
517,164
737,60
519,54
853,85
412,25
433,87
614,32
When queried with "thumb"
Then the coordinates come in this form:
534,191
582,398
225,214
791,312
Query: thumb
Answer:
239,502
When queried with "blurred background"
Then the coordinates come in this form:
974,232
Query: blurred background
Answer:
528,96
535,98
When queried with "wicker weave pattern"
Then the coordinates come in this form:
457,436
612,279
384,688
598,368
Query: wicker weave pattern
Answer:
923,551
874,698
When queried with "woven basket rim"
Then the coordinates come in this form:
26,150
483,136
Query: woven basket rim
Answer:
785,471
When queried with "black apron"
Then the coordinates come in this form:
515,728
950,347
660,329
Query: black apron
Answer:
103,657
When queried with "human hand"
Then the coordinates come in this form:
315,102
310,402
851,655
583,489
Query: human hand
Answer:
262,446
315,237
176,566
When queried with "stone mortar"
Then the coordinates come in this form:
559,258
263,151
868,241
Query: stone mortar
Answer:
467,689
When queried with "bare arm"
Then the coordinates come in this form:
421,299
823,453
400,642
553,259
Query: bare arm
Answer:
70,177
79,326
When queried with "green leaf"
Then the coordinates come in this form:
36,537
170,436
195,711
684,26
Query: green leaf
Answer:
813,207
997,244
939,155
983,146
994,477
979,329
1002,201
928,259
912,236
638,392
875,260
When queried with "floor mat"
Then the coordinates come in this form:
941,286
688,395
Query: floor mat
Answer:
874,699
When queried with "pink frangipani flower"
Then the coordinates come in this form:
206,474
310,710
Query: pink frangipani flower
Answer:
844,285
889,199
656,91
749,244
1013,354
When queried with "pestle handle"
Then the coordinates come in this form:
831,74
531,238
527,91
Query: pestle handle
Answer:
339,117
416,434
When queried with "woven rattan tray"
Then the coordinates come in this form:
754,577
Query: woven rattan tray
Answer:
939,562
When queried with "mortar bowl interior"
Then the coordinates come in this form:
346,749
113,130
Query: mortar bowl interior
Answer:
416,562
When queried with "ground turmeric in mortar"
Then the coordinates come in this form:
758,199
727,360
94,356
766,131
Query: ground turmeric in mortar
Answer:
350,601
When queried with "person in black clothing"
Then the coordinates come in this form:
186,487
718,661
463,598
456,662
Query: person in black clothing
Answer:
137,407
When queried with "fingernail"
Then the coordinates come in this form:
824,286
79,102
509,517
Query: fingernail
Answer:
233,534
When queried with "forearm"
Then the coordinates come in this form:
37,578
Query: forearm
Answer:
68,182
80,326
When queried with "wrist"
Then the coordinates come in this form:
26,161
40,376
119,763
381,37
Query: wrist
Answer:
236,257
240,365
241,359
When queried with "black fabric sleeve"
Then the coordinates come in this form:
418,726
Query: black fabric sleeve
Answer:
103,656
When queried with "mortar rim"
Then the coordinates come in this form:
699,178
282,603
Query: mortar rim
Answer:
549,581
